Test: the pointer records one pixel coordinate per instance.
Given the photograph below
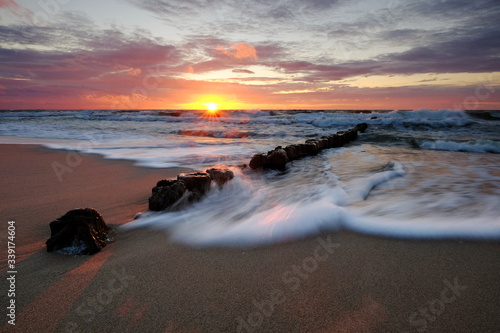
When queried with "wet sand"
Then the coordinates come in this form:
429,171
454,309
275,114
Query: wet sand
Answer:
342,282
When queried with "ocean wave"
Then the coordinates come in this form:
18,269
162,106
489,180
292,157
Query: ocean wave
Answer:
486,146
405,120
253,211
248,212
228,134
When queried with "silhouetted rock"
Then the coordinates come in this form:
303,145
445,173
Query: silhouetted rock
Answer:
196,181
352,134
361,127
324,142
165,194
342,137
220,175
312,147
333,141
83,229
291,152
277,159
258,161
301,150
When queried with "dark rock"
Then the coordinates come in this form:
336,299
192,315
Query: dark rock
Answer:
312,147
220,175
342,137
330,141
374,117
320,144
258,161
301,150
83,228
336,141
352,134
323,143
361,127
198,182
166,193
277,159
291,152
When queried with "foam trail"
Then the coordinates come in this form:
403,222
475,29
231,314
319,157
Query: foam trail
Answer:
359,190
241,214
276,225
250,212
427,228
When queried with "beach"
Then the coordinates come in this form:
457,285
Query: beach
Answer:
144,282
262,166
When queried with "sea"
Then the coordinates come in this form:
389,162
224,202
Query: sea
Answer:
418,174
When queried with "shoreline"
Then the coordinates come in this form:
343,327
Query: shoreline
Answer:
333,282
51,182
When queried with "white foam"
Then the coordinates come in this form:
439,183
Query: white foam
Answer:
359,189
248,213
435,119
486,146
253,210
483,228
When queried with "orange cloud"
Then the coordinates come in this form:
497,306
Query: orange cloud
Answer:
239,51
134,71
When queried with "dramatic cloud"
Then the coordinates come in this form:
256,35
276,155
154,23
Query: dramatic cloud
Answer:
239,51
260,53
243,71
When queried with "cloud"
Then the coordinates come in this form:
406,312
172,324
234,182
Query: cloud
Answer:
468,50
239,51
470,45
450,9
281,12
243,71
306,43
85,62
281,9
205,53
318,5
222,17
311,72
13,7
134,71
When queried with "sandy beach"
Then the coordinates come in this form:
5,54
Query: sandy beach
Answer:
341,282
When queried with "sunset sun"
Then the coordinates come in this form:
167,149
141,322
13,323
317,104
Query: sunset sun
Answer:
211,107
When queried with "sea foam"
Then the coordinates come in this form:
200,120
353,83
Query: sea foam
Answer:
486,146
253,210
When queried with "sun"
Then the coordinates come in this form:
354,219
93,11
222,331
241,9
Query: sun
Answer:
212,109
211,106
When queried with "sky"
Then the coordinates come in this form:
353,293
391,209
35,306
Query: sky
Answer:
283,54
